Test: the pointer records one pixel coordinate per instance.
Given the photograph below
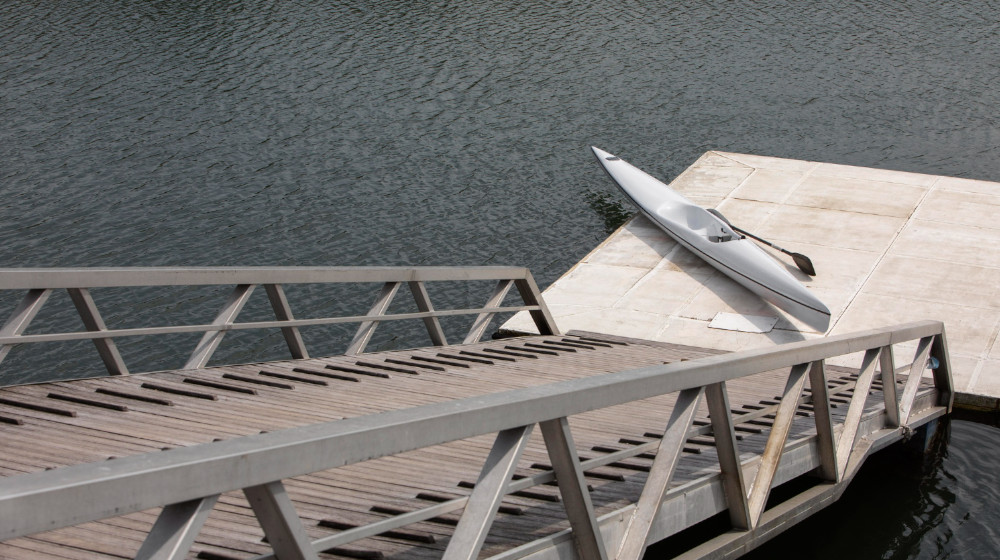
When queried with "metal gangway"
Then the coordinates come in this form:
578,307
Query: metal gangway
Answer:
559,445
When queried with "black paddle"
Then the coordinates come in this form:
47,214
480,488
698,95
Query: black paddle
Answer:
801,261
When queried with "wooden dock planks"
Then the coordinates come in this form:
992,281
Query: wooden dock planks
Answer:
66,423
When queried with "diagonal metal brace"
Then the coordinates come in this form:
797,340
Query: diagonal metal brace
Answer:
92,320
573,488
913,379
367,328
175,529
283,312
227,316
423,301
22,316
852,422
281,524
667,454
490,489
775,446
482,321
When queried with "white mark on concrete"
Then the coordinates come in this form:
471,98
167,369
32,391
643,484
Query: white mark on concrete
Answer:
742,323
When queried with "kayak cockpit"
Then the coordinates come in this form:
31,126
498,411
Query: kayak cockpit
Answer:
702,223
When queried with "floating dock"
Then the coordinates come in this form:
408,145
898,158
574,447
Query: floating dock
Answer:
889,247
583,444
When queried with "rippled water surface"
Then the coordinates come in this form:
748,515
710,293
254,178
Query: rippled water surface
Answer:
358,133
900,507
415,133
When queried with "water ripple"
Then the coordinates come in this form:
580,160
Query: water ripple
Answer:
378,132
908,505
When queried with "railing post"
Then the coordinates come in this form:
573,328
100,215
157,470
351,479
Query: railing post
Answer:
92,320
887,371
530,294
943,380
825,439
729,455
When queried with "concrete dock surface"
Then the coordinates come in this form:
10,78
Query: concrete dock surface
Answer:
888,246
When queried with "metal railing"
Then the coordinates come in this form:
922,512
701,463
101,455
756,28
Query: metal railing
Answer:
189,481
79,282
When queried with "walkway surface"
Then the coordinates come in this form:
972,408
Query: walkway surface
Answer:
889,247
93,420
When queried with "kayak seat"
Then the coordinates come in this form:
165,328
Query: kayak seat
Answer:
711,227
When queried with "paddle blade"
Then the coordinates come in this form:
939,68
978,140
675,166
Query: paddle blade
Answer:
804,264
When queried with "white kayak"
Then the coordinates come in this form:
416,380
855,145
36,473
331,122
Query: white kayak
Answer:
716,242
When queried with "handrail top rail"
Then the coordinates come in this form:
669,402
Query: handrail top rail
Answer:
78,491
107,277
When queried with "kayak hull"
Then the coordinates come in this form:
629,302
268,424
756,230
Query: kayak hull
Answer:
715,242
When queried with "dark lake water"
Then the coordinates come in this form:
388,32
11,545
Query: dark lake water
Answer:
928,498
902,506
415,133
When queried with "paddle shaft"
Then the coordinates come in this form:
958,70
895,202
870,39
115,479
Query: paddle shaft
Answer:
801,261
764,241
